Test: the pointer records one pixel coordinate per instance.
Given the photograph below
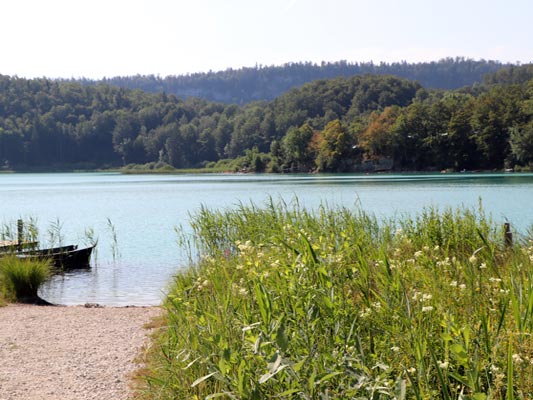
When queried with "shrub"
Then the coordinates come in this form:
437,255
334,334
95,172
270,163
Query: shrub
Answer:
20,279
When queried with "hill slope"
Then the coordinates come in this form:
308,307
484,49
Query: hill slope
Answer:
241,86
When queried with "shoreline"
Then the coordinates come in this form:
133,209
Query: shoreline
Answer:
72,352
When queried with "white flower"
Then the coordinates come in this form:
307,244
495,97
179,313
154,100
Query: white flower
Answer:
516,358
473,259
427,308
453,283
462,286
483,266
396,349
426,297
418,254
365,313
443,364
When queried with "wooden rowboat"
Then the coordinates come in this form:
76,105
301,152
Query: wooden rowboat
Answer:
64,257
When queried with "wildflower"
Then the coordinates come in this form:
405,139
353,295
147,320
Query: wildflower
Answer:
436,248
462,286
208,259
426,297
244,247
411,370
365,313
495,280
516,358
472,259
483,266
453,284
427,308
396,349
444,263
443,364
418,254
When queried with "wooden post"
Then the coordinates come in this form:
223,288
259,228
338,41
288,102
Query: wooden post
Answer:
508,235
20,232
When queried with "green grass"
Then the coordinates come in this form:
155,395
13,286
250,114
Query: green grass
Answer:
333,304
20,279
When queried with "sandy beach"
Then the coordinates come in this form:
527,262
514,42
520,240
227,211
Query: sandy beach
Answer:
70,353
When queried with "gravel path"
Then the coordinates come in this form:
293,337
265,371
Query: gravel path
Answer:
70,353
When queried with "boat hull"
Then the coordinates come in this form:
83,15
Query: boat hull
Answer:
65,257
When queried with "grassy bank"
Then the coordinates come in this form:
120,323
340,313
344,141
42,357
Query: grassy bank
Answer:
286,303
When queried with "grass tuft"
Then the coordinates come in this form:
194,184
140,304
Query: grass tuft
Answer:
20,279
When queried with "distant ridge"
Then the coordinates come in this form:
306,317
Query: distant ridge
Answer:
248,84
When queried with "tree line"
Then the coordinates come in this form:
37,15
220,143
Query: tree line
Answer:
364,122
244,85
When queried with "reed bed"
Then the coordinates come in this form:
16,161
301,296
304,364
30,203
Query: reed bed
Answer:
333,304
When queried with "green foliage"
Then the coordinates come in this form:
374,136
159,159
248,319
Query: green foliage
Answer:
20,279
245,85
152,167
394,122
335,147
522,143
289,303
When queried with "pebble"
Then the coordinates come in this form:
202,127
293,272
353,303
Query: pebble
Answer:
70,353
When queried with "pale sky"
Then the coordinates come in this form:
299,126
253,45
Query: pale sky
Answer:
97,38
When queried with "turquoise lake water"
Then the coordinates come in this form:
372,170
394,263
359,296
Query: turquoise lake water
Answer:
144,211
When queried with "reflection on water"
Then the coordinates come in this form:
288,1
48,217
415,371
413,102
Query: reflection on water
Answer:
144,211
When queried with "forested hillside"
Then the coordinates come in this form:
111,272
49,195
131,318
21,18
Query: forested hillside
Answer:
241,86
367,122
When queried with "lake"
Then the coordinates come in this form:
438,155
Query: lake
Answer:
135,217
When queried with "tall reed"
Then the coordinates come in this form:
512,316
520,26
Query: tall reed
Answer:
284,302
